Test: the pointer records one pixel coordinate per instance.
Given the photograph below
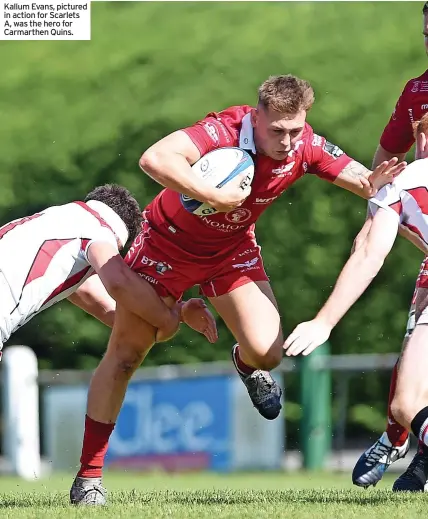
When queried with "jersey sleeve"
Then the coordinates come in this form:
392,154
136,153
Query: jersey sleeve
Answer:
397,137
325,159
389,198
97,234
210,133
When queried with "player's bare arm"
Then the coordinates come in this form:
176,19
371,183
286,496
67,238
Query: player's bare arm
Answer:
169,162
93,298
382,155
128,289
359,180
357,274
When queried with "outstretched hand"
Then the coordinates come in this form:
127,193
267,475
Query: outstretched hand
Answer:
384,174
306,337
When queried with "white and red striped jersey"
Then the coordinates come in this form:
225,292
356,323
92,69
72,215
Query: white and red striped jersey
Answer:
407,198
43,259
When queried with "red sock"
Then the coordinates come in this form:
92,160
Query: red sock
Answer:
243,368
397,434
95,443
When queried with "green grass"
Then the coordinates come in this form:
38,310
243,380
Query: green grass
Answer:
215,496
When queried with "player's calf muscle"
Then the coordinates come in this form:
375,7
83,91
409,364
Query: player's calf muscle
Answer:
411,394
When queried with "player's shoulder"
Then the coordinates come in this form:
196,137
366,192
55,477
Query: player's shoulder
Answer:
414,175
311,139
226,126
231,116
417,84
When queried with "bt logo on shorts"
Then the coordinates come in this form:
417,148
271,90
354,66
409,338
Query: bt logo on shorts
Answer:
160,266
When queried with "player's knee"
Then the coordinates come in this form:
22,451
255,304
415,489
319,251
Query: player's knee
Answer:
267,358
125,365
126,358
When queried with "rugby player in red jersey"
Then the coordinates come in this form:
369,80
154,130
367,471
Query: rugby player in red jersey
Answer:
177,250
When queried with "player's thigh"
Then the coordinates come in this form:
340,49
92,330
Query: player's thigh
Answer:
421,282
412,382
251,314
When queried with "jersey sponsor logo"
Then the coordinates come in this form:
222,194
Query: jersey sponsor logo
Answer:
223,130
415,87
410,110
246,251
160,266
317,140
332,149
247,265
150,279
212,132
284,170
223,227
265,200
239,215
424,107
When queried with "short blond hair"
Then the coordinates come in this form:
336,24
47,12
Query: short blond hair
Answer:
286,94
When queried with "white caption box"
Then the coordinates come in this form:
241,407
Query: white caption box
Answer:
45,20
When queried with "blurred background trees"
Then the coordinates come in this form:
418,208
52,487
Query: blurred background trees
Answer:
78,114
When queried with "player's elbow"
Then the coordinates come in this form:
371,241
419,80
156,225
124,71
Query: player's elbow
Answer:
151,161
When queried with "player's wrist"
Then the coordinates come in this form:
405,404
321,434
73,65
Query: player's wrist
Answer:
211,196
326,319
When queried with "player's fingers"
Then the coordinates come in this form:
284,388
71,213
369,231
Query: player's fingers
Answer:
296,347
311,347
396,170
381,167
238,181
211,326
289,341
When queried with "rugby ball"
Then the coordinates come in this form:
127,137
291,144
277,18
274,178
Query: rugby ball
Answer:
219,167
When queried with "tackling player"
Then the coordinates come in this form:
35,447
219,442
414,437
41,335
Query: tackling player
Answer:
177,250
396,140
404,202
51,255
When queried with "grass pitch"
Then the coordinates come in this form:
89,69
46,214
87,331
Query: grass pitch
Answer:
277,495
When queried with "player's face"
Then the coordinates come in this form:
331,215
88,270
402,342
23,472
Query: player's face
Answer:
425,32
275,134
